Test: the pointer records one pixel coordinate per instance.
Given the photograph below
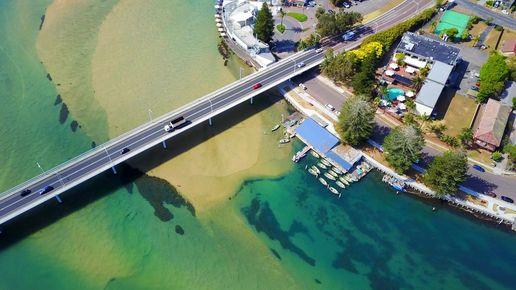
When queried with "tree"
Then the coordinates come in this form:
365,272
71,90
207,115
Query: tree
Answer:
446,172
417,82
493,75
403,146
497,156
466,136
311,40
356,120
331,24
264,25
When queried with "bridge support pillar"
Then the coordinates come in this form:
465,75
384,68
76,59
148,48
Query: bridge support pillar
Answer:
251,100
210,122
114,170
59,199
164,144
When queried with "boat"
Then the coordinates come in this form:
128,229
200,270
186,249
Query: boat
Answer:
323,181
340,184
316,169
329,176
348,178
283,141
343,180
333,190
321,165
333,173
314,154
275,128
338,171
313,172
325,162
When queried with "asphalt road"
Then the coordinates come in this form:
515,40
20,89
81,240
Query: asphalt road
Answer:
498,18
101,159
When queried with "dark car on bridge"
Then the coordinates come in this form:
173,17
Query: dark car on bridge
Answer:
46,189
25,192
507,199
257,86
125,150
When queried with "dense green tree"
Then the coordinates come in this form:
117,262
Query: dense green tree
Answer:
363,82
356,120
403,146
310,41
264,25
330,24
445,173
493,75
341,68
466,136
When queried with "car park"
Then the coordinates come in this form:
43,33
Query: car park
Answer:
45,189
25,192
507,199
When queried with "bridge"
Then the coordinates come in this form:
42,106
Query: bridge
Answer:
106,156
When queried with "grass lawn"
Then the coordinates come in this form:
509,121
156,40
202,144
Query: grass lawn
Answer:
298,16
280,28
476,30
492,38
459,114
382,10
481,155
507,34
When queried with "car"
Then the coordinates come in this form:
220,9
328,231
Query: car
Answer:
300,65
496,4
257,86
330,107
346,5
490,193
350,35
475,88
479,168
319,50
301,85
330,11
507,199
505,12
25,192
125,150
45,189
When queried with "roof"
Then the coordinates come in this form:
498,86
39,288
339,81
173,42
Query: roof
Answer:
493,122
316,136
440,72
428,48
339,160
429,93
509,46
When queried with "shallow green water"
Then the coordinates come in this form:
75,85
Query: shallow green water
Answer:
135,232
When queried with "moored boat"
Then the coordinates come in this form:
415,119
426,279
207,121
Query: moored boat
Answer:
325,162
275,128
338,171
333,173
343,180
314,154
323,181
329,176
321,165
312,172
333,190
316,169
340,184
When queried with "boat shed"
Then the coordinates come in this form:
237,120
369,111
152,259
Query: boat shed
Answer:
316,136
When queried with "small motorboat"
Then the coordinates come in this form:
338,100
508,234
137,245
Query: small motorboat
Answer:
321,165
313,172
340,184
329,176
314,154
349,178
333,190
333,173
275,128
323,181
284,141
325,162
343,180
316,169
336,170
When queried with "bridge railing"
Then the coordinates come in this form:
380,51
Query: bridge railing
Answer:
58,168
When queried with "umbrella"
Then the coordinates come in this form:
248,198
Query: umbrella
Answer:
402,106
409,94
401,98
393,65
410,70
219,25
389,73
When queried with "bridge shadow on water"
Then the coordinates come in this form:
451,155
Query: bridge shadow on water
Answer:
156,191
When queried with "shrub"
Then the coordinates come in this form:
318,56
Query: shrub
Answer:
497,156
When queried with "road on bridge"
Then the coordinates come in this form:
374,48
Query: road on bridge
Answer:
107,155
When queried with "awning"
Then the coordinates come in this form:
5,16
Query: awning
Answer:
414,62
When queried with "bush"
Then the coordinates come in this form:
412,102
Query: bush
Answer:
489,3
497,156
450,140
280,28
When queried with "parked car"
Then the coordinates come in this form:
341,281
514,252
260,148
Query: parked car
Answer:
330,11
125,150
257,86
479,168
46,189
301,85
346,5
330,107
475,88
507,199
25,192
490,193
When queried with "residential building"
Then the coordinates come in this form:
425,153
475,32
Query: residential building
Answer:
492,125
508,47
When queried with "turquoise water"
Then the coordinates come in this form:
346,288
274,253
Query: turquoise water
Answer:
373,238
393,93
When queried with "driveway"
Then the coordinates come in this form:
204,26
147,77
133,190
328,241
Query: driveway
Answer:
500,19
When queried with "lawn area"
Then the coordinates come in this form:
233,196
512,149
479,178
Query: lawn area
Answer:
507,34
459,114
280,28
492,38
476,30
481,155
382,10
298,16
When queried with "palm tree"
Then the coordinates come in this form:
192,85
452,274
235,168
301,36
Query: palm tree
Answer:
417,82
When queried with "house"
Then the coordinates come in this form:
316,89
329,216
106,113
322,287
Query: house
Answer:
492,125
508,47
